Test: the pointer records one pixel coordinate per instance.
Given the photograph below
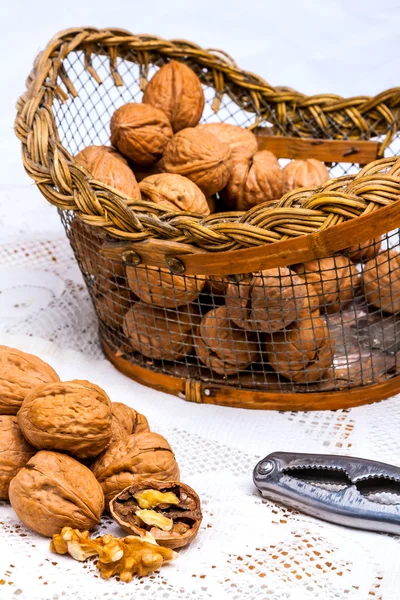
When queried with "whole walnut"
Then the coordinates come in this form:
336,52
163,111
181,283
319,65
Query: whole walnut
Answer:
253,181
174,192
268,301
222,346
381,278
159,333
161,288
201,157
363,252
112,305
125,421
334,278
303,352
242,142
54,491
304,173
14,452
135,459
19,374
140,132
108,166
176,90
73,416
216,286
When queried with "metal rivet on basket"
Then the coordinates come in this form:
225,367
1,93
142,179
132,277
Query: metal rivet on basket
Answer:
175,265
207,392
130,256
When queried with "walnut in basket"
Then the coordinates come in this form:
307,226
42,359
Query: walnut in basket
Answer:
381,279
73,417
161,288
334,278
112,304
19,374
108,166
267,302
174,192
201,157
363,252
253,181
134,459
14,452
303,352
242,142
304,173
54,491
161,334
140,132
222,346
176,90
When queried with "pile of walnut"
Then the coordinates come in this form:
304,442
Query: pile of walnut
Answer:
67,453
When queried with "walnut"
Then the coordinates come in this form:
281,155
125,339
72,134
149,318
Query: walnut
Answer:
125,557
242,142
140,132
304,173
303,352
134,459
161,288
73,417
174,192
112,304
334,279
173,514
19,374
222,346
268,301
176,90
216,285
365,251
53,491
108,166
161,334
381,279
125,421
14,452
201,157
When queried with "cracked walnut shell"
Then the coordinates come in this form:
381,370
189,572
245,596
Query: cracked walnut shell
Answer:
140,132
19,374
174,192
242,142
14,452
268,301
72,417
54,491
177,91
381,279
304,173
174,508
303,352
134,459
125,421
201,157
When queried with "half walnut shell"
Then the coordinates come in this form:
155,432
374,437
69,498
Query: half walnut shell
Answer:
172,512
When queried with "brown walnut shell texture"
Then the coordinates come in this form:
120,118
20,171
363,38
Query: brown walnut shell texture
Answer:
302,353
140,132
304,173
363,252
254,181
176,90
108,166
224,347
201,157
19,374
134,459
242,142
124,505
14,452
112,305
334,278
161,288
54,491
381,278
73,417
174,192
161,334
268,301
125,421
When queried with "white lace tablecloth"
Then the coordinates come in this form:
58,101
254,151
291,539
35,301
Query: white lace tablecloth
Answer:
247,547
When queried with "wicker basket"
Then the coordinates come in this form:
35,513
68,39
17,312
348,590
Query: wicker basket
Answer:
182,304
